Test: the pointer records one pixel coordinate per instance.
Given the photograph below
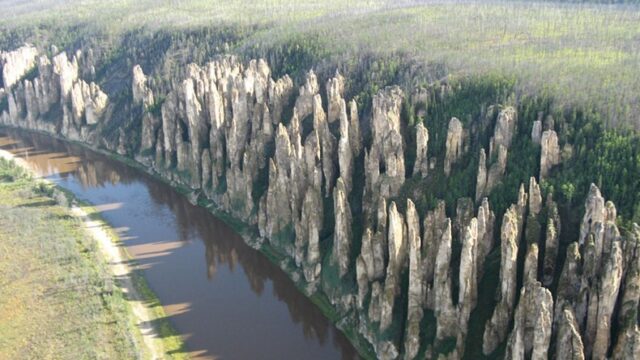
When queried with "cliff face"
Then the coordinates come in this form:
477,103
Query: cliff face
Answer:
336,212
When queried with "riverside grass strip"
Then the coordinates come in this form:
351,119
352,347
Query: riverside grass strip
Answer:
59,297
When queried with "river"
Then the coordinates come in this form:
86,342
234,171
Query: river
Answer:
226,299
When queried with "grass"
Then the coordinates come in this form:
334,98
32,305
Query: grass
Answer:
58,298
63,301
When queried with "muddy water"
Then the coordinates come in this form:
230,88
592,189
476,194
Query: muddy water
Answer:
225,298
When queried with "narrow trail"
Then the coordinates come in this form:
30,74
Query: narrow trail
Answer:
117,260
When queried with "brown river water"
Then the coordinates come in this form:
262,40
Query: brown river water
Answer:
226,299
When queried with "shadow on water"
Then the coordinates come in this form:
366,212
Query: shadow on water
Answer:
225,298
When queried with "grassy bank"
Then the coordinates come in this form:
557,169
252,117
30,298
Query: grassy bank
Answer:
59,296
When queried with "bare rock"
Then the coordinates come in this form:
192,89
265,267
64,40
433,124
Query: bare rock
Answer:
505,128
550,153
421,166
141,92
453,145
535,197
569,342
304,103
397,258
446,316
496,329
434,226
15,64
335,90
342,233
414,307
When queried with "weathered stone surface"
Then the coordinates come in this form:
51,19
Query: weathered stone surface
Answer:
551,242
355,139
415,291
569,342
397,259
67,72
421,166
467,280
531,265
387,147
505,128
606,299
304,103
453,145
434,226
594,212
486,221
542,326
141,92
445,313
342,233
550,153
496,329
535,197
17,63
335,90
345,150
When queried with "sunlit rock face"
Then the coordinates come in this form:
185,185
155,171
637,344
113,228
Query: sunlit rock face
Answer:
330,191
15,64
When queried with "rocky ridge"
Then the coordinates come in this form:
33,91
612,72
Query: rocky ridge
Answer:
223,133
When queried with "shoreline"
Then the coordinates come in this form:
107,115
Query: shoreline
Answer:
131,282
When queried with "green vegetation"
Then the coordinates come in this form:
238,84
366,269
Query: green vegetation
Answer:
64,300
59,299
584,54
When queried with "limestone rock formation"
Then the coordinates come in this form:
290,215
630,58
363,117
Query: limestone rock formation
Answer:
342,234
453,145
415,291
505,128
141,92
421,166
443,306
569,343
550,153
496,329
17,63
397,258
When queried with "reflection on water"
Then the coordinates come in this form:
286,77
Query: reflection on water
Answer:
233,305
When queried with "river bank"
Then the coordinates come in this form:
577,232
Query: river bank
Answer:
77,290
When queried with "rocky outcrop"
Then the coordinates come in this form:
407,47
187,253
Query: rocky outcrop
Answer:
443,306
15,64
415,291
550,152
421,166
141,92
297,175
497,328
569,343
342,233
397,257
504,130
453,145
